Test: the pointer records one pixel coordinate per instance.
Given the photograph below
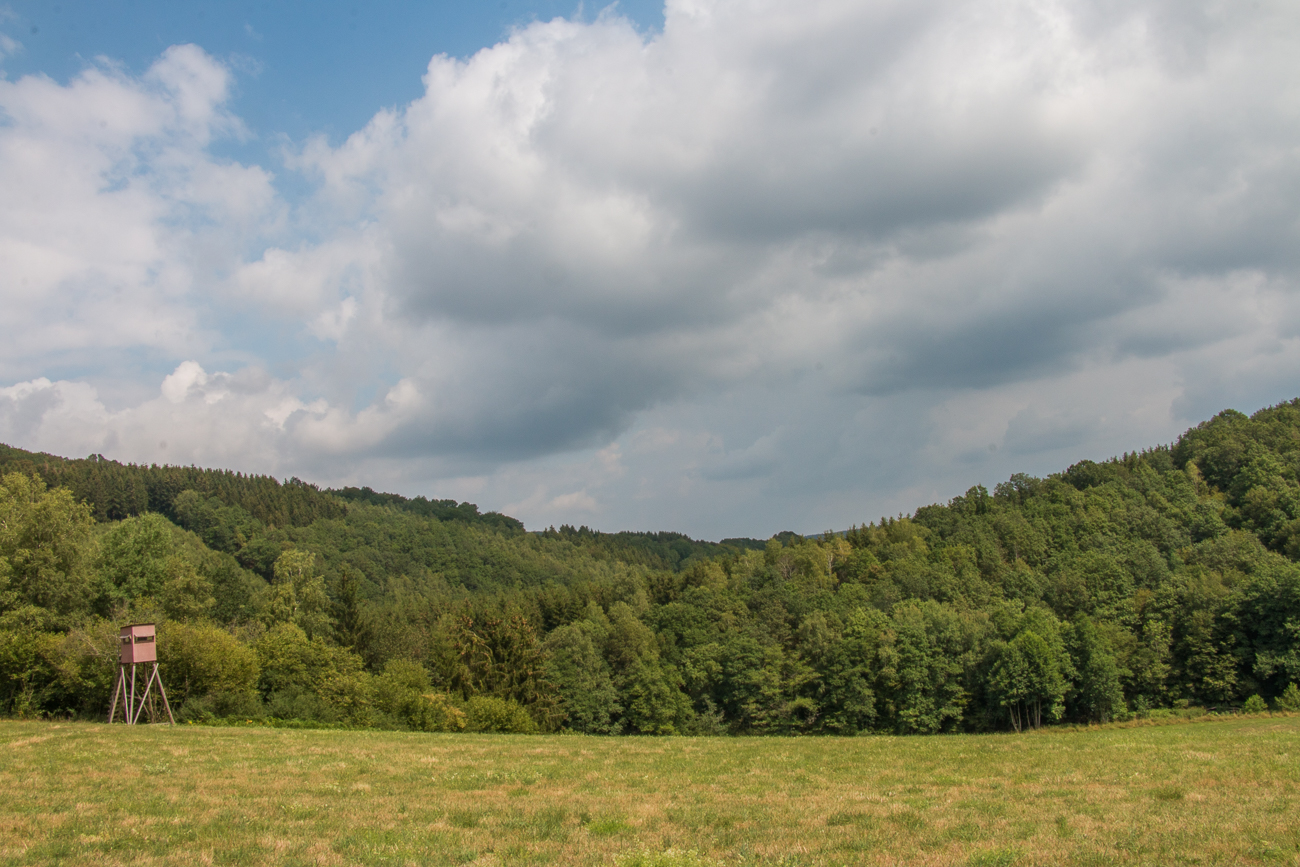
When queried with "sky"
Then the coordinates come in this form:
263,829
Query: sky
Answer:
724,267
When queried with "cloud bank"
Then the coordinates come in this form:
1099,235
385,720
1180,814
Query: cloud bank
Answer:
779,265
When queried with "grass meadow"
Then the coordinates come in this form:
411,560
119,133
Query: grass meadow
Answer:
1222,792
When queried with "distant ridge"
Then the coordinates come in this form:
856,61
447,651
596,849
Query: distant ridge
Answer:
116,490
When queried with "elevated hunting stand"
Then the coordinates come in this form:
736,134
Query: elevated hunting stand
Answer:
139,647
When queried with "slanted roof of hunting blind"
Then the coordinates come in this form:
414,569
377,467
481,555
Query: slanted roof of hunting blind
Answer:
139,643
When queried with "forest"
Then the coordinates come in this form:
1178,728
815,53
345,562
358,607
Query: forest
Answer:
1161,579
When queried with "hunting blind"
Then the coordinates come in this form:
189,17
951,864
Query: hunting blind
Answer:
138,647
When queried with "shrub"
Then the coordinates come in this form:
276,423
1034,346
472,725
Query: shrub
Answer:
25,670
209,708
198,659
486,713
435,712
297,703
401,678
290,659
311,679
1289,699
85,660
1254,704
348,696
404,693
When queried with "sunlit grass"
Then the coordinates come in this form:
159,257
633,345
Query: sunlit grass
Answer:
1207,793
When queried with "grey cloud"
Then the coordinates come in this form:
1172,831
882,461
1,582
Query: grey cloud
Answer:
525,280
1180,33
914,182
999,326
520,392
980,354
1032,431
756,461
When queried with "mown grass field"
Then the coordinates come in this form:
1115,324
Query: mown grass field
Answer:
1225,792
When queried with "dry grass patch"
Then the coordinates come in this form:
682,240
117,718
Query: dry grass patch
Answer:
1206,793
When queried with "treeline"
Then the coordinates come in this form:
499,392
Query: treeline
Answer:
443,510
115,491
670,551
1160,579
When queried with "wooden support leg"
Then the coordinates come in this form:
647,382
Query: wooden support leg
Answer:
134,711
163,693
119,689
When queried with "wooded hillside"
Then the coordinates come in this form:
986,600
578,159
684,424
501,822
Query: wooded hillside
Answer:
1160,578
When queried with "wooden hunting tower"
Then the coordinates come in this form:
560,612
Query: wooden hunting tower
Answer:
139,646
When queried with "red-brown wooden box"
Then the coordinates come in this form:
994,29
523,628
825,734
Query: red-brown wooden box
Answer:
139,643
